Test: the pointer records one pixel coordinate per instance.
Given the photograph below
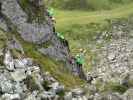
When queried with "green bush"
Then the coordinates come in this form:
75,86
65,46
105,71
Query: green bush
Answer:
31,84
45,85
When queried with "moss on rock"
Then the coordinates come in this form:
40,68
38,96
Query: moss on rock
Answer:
31,84
34,12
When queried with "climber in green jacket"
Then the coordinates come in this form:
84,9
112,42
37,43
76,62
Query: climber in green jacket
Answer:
60,35
80,62
50,12
80,58
62,39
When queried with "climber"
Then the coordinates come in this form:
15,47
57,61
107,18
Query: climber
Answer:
80,58
50,12
63,40
80,61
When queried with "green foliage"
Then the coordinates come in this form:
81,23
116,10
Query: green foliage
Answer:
45,85
31,84
1,60
16,53
3,40
61,94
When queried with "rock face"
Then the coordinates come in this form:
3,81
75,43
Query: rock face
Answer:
20,77
29,19
14,17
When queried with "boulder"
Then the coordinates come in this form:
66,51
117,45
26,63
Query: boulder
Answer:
18,75
68,96
111,56
77,92
7,96
32,96
5,83
8,61
56,87
47,95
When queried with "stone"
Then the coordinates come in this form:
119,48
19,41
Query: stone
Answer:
5,84
22,63
8,61
18,75
7,96
1,52
56,87
19,88
68,96
77,92
111,56
47,95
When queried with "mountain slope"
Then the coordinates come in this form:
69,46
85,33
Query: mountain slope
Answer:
23,20
81,27
64,19
88,4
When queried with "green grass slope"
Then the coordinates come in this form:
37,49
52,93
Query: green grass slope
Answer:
67,18
55,68
88,4
80,27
